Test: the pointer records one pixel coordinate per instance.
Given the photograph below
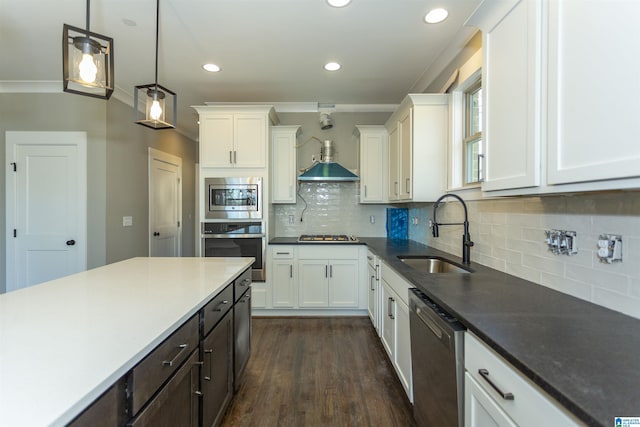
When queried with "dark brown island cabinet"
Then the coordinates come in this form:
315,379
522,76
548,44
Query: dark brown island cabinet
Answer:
189,379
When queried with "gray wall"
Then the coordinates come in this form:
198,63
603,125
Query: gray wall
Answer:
116,168
127,182
61,112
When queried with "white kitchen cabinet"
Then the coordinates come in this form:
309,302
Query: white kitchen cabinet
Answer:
394,320
393,167
328,283
480,409
511,80
374,148
486,406
283,163
234,136
283,276
592,79
329,276
418,132
374,291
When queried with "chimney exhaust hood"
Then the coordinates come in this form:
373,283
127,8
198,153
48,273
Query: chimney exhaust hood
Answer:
327,169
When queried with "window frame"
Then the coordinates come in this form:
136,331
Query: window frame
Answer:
474,85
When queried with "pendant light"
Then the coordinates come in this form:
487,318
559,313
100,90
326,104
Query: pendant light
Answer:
158,103
87,61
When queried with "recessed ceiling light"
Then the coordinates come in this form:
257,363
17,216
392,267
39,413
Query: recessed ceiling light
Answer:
211,67
338,3
435,16
332,66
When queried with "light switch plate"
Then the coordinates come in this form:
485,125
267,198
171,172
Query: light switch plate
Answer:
127,221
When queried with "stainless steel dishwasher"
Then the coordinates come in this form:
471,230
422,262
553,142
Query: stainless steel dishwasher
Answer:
437,357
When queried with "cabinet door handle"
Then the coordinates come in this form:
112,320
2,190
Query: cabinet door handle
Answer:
326,271
231,157
208,352
331,271
235,156
391,301
219,307
371,283
389,307
377,272
395,186
407,185
182,347
291,271
485,374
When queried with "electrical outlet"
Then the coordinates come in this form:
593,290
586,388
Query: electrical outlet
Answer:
127,221
415,220
372,219
291,220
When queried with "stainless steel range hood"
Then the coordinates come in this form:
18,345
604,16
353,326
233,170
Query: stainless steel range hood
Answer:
327,169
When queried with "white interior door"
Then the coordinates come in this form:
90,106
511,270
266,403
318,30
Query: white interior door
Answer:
46,206
165,204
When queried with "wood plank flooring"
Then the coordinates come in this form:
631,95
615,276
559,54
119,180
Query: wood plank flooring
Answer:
318,372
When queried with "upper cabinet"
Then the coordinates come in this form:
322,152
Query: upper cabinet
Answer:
374,149
591,67
554,121
283,163
511,79
234,136
418,133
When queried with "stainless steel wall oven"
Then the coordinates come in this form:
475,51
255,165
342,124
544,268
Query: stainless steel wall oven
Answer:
233,198
236,239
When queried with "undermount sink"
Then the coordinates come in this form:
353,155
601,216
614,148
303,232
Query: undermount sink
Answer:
430,264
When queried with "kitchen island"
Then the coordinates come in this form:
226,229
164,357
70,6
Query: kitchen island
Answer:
64,342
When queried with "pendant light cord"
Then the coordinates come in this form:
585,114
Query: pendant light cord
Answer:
157,27
88,14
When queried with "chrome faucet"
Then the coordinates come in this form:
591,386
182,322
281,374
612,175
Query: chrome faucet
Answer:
466,238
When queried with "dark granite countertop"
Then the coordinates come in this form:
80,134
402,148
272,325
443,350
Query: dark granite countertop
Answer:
585,356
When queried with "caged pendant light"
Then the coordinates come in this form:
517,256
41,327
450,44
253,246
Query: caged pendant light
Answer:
158,103
87,61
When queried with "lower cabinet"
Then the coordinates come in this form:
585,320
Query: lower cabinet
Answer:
107,410
328,276
394,324
176,404
242,334
216,377
497,395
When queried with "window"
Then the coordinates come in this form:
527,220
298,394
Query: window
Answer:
472,142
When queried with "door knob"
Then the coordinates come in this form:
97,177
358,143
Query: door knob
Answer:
71,242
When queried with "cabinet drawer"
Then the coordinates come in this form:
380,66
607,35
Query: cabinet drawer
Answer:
148,375
328,251
177,403
396,282
530,406
107,411
217,308
282,252
241,284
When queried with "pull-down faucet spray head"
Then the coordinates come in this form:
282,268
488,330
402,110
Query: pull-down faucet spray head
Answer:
466,237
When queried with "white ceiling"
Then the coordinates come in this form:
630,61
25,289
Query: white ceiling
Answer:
269,50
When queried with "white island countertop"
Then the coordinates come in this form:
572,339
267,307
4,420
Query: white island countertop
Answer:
64,342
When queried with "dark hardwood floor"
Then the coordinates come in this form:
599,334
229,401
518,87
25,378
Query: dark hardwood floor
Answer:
318,372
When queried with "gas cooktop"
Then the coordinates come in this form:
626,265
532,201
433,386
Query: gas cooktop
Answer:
327,238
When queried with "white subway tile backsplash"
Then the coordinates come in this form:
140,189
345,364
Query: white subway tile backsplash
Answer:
514,230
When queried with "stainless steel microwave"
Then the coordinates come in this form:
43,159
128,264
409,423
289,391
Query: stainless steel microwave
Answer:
233,198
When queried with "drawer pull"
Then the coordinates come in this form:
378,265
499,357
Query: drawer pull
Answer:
219,307
283,253
485,374
210,353
245,282
172,361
